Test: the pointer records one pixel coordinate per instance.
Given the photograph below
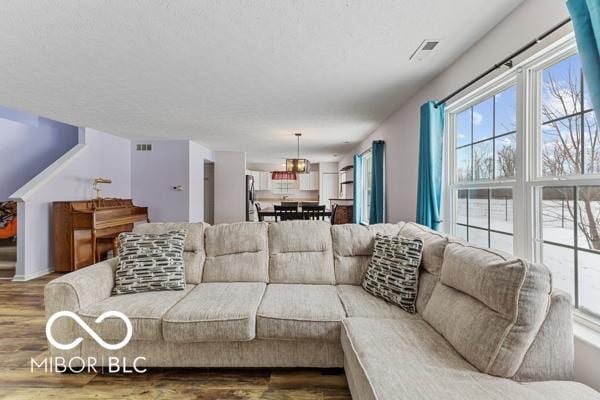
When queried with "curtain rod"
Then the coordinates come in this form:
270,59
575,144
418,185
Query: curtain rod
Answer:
508,61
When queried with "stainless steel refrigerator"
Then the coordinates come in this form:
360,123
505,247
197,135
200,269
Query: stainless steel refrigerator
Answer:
249,198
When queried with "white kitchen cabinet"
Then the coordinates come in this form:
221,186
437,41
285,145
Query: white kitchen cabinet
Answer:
257,178
329,188
265,181
284,186
304,181
314,180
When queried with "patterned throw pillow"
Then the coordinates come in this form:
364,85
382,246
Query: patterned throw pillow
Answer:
393,272
149,262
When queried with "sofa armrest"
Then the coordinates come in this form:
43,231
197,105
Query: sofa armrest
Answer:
551,354
81,288
73,292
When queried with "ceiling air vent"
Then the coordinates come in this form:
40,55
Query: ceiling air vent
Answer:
143,147
425,48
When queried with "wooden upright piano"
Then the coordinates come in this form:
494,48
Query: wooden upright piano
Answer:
83,231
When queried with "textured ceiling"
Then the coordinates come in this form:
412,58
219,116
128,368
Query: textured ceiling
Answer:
232,75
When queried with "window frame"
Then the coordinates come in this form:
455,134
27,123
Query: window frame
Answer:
365,190
528,182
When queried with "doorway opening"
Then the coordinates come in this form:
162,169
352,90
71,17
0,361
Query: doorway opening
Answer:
8,239
209,192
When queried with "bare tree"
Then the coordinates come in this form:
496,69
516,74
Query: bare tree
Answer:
571,146
506,160
482,161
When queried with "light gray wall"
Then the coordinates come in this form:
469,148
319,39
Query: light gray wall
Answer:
230,186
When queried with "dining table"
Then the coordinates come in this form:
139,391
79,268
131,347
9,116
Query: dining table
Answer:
270,212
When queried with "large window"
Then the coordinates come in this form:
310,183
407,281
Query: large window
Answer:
367,167
485,155
526,148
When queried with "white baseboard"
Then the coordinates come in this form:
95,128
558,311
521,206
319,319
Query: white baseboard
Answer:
23,278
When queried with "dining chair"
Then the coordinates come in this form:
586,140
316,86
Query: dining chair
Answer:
258,212
313,212
332,217
290,204
285,213
310,203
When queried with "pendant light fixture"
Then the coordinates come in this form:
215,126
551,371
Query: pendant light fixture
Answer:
299,165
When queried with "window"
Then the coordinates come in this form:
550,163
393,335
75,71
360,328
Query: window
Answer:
366,187
485,217
570,213
526,148
485,153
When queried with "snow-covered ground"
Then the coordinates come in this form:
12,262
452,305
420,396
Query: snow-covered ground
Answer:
560,260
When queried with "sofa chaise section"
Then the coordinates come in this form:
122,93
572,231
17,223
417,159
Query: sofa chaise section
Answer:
388,359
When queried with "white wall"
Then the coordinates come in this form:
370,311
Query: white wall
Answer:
401,130
98,154
230,186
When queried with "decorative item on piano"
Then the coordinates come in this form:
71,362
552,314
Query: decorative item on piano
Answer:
95,186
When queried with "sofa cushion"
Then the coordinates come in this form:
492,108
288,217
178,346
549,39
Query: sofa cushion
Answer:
387,359
489,305
145,311
427,283
215,312
236,253
353,247
293,312
301,252
393,272
193,251
434,244
150,262
358,303
551,355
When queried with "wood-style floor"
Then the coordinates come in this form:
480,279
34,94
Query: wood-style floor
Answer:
22,337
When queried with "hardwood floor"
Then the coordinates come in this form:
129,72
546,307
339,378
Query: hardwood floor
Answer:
22,337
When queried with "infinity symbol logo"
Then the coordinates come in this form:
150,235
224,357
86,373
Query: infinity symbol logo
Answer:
89,330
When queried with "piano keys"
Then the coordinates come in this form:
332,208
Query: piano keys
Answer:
84,231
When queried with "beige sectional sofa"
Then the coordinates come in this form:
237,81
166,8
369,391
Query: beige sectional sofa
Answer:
288,295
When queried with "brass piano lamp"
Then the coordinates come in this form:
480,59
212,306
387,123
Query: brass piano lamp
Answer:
95,186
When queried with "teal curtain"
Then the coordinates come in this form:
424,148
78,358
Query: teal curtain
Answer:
431,147
377,211
357,188
585,15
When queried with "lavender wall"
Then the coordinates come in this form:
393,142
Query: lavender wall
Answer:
155,173
28,148
69,178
